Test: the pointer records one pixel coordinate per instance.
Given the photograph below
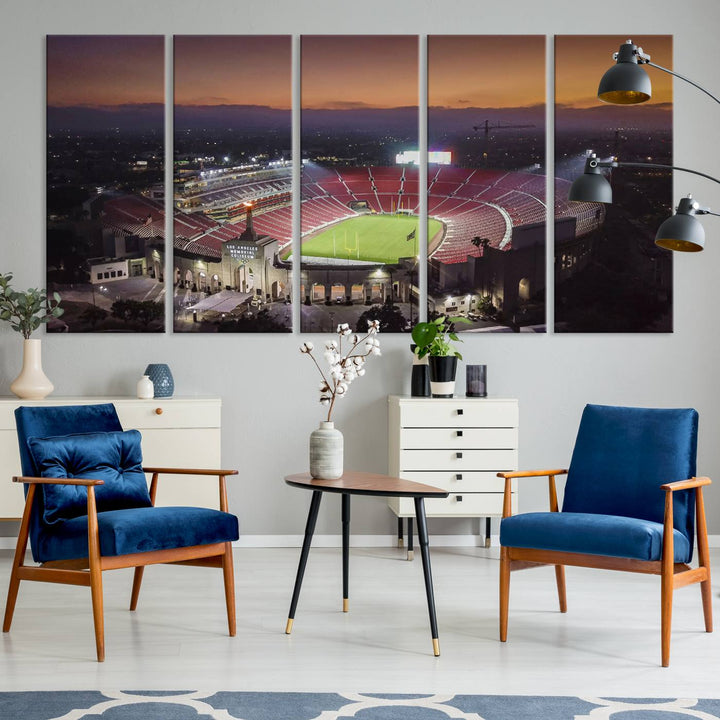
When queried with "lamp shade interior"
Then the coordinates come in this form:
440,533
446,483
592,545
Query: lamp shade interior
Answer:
625,83
682,233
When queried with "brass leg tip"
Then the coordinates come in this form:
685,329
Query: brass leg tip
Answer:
346,605
487,542
436,647
401,542
410,554
288,627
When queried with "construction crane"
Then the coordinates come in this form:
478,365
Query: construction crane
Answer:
487,127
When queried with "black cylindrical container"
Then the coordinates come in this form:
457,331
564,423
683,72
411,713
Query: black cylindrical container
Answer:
420,378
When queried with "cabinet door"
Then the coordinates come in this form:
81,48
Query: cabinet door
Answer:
12,498
184,448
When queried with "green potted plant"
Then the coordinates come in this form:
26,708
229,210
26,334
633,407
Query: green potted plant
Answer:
26,312
435,339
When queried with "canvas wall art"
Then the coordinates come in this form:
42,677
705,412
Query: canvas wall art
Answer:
359,211
486,181
105,185
609,274
232,184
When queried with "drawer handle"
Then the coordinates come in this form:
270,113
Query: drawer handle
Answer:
458,498
458,433
458,456
460,411
158,411
458,476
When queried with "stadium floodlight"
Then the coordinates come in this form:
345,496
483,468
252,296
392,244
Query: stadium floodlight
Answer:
592,186
626,83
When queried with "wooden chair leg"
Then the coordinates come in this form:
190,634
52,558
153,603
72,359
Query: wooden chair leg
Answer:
137,581
18,560
229,578
704,559
560,580
666,581
504,592
96,588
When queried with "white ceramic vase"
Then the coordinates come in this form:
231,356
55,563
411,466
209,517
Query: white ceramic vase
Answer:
145,388
32,383
326,452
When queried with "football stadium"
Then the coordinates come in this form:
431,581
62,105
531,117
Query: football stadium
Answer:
357,219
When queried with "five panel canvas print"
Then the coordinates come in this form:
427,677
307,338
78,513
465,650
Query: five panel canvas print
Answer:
364,218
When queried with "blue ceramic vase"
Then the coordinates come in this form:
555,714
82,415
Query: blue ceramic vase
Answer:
162,379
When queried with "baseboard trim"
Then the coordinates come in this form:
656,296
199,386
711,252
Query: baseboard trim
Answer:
335,541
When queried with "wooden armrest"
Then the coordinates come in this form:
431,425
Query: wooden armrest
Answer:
57,481
695,482
531,473
186,471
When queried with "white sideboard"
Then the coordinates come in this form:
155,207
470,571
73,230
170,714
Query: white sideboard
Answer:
458,444
176,432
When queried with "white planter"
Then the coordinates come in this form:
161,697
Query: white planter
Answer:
32,383
326,452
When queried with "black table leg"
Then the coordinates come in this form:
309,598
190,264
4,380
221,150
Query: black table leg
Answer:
309,530
487,532
410,551
425,553
346,548
400,532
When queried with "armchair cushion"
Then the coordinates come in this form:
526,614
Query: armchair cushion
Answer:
138,530
114,457
592,534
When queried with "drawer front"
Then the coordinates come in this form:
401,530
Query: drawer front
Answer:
143,414
457,460
459,413
459,482
459,437
455,505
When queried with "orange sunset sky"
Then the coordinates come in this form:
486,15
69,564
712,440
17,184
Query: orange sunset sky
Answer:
105,69
486,70
341,72
581,60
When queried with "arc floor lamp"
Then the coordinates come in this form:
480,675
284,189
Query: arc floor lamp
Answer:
627,83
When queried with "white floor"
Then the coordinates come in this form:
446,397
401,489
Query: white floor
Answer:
607,644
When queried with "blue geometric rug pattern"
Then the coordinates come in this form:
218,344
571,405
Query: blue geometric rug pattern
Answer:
192,705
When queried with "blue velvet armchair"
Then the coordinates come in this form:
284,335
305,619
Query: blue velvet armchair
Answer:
631,503
88,509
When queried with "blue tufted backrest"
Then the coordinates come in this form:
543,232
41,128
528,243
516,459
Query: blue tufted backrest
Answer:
53,421
623,454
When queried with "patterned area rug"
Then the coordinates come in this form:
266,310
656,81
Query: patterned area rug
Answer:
188,705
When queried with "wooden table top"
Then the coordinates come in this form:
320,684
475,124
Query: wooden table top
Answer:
363,483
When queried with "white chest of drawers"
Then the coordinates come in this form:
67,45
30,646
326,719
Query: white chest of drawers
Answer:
176,432
458,444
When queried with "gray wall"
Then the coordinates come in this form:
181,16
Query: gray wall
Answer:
267,387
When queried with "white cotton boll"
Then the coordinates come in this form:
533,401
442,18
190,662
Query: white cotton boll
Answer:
361,372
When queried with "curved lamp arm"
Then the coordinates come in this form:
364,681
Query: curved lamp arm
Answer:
678,75
615,163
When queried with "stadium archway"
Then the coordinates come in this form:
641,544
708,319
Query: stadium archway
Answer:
524,289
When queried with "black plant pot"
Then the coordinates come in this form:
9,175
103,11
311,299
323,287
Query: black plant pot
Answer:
442,375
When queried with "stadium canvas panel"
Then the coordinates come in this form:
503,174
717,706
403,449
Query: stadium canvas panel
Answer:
609,274
359,206
232,183
105,152
486,181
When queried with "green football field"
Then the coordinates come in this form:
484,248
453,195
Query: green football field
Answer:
378,238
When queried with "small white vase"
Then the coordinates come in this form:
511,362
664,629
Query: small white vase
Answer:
32,383
326,452
145,388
